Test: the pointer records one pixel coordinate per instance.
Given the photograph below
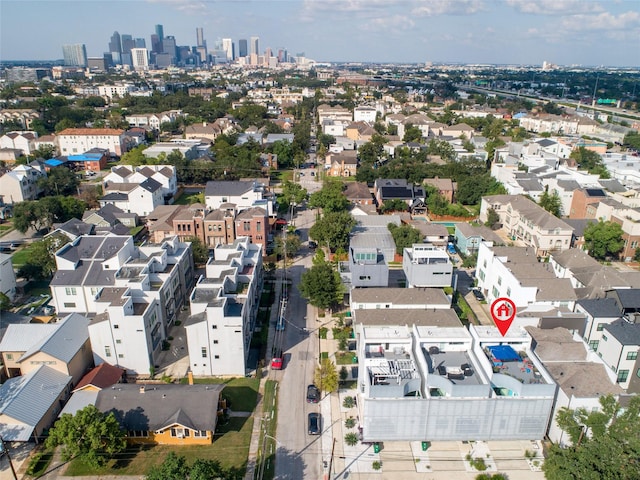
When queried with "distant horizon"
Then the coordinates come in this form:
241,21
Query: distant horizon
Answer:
487,32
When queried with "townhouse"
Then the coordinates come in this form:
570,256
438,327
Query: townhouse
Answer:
516,273
426,265
154,120
139,198
164,174
21,183
238,195
23,141
223,307
529,223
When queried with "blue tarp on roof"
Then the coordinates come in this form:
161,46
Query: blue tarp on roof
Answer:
53,162
504,353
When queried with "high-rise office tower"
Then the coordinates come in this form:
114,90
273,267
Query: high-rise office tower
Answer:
156,44
282,55
242,47
254,49
140,43
115,44
75,55
127,43
201,47
160,32
169,47
228,47
140,58
200,37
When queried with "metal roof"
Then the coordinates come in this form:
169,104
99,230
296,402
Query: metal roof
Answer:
21,337
65,341
28,398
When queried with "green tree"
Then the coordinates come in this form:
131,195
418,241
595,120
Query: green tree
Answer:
5,302
493,219
603,239
199,250
134,157
551,203
288,245
330,197
44,151
632,140
41,262
293,193
605,443
320,257
351,439
394,205
89,434
59,181
636,255
322,286
590,161
472,188
174,467
404,236
71,207
326,376
333,229
412,134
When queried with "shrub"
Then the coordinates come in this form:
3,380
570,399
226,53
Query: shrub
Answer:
351,439
348,402
350,422
376,465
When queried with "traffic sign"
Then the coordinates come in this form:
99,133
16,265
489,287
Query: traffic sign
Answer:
503,311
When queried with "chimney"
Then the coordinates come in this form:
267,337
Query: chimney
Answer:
204,124
141,388
190,377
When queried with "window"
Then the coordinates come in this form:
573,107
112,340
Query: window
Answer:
9,356
593,344
204,352
246,226
604,337
116,326
107,351
118,340
120,355
214,327
632,355
69,305
70,290
499,280
199,433
495,292
259,226
600,327
215,342
622,376
217,357
508,291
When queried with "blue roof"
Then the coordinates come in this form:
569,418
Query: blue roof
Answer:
53,162
504,353
85,157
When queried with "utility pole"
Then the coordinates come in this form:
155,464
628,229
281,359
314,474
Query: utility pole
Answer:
4,451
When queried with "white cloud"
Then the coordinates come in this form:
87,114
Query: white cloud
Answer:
187,6
555,7
392,23
432,8
603,21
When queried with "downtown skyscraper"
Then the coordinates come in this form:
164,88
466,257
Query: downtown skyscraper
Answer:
75,55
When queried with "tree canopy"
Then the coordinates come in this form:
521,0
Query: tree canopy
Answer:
590,161
293,193
551,203
333,229
41,262
603,239
404,236
89,434
322,286
605,443
59,181
43,213
175,467
330,197
326,376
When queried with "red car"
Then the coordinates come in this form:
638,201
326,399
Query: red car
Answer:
277,361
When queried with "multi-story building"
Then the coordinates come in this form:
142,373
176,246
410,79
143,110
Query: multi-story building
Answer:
619,350
516,273
78,140
140,58
7,276
239,195
224,306
164,174
21,183
364,113
253,223
75,55
139,198
242,47
425,265
524,220
24,141
153,120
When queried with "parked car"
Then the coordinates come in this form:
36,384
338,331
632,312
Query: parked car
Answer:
451,248
277,361
478,294
313,394
312,245
314,424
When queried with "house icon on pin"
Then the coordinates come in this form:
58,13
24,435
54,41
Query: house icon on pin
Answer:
503,310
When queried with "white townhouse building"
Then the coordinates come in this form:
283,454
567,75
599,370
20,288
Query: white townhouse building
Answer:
364,113
154,120
7,276
21,183
164,174
79,140
24,141
242,194
139,198
426,265
524,220
619,349
516,273
224,306
423,376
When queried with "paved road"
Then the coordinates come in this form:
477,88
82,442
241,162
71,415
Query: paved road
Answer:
298,454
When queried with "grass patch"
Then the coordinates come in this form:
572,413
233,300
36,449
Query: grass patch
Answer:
20,257
39,463
242,393
230,448
270,413
188,199
464,311
135,230
344,358
324,354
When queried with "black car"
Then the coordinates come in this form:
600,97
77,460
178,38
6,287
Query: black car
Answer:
313,245
478,294
314,424
313,394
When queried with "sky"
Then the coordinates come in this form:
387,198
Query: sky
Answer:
563,32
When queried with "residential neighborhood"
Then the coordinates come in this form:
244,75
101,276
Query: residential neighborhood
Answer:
186,267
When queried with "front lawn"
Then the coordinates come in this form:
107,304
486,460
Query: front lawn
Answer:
20,257
344,358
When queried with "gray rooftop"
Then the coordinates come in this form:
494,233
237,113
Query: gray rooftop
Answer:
227,188
160,406
27,398
600,307
398,296
408,316
529,210
582,379
65,341
626,333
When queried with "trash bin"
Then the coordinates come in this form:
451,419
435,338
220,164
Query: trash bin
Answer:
376,448
425,446
354,359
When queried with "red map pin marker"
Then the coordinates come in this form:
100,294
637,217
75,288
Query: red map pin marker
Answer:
503,311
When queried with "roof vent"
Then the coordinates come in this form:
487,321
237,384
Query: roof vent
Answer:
141,388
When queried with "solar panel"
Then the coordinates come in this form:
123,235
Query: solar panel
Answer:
596,192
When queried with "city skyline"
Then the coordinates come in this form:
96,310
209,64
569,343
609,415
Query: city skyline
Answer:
570,32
